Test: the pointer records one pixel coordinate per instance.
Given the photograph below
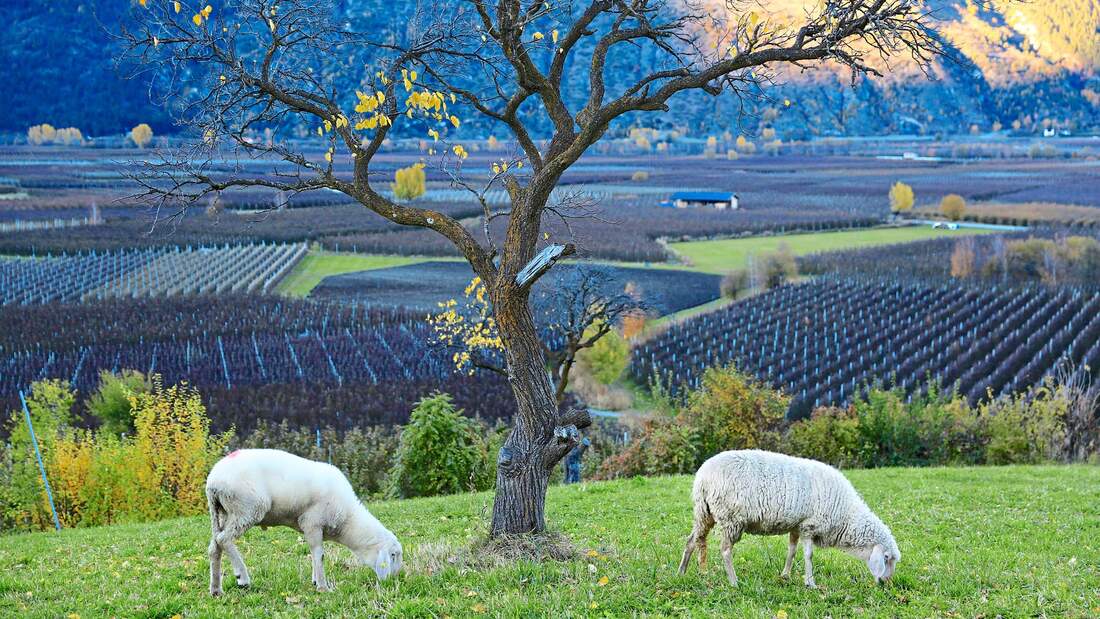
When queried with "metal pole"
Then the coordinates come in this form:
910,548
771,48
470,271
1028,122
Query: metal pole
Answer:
38,455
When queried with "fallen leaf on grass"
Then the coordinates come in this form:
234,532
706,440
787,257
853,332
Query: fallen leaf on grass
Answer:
478,608
602,581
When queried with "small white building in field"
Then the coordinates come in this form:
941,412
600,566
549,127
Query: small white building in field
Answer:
718,200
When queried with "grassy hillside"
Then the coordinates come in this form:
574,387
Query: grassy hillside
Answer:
1012,542
724,255
318,265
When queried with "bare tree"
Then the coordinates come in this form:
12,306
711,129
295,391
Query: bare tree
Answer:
585,306
262,64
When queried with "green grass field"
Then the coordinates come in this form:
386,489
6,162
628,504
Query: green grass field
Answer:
978,542
318,265
728,254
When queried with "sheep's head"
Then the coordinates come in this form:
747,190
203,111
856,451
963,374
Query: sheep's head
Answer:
387,557
881,560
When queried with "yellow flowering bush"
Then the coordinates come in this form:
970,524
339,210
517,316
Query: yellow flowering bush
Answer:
159,472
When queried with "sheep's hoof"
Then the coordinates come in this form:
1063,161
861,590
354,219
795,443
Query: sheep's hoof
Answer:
785,576
244,584
323,588
811,585
215,593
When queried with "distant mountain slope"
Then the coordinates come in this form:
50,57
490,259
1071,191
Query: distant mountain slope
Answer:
1022,65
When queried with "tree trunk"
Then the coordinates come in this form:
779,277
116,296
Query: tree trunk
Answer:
540,436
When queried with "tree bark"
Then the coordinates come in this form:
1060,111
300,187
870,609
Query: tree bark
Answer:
540,436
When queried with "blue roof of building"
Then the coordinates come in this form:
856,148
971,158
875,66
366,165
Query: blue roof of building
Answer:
702,196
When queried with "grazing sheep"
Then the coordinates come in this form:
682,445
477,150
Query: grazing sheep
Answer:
766,493
268,487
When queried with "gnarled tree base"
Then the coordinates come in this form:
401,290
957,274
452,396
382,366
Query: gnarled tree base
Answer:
523,474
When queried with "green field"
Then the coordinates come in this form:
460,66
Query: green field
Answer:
975,542
728,254
318,265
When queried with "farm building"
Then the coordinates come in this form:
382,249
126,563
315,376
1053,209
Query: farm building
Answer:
720,200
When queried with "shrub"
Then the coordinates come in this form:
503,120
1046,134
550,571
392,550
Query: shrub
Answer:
953,206
409,182
1027,428
901,198
607,358
141,135
69,136
734,283
41,134
730,410
830,435
963,258
776,268
439,452
101,479
733,410
173,446
110,403
363,454
663,447
634,324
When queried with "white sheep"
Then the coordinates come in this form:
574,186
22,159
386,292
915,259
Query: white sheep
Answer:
765,493
268,487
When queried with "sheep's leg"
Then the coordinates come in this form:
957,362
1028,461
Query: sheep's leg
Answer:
688,549
697,539
792,547
225,539
239,569
315,538
215,554
730,537
807,554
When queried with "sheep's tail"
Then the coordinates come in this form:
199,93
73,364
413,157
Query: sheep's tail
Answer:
216,511
703,522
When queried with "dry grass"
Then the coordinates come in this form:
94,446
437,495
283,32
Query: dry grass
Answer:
486,553
1028,211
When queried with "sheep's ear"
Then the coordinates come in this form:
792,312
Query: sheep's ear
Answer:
877,562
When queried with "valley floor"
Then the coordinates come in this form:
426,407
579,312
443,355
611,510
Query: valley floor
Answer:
975,542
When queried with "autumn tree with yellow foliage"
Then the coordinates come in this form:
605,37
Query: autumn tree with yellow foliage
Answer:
251,64
409,183
901,198
141,135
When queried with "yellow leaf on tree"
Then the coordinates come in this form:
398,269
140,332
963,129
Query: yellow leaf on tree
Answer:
537,36
197,18
176,6
554,35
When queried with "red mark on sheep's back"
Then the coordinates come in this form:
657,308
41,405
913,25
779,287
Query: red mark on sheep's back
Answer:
233,454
